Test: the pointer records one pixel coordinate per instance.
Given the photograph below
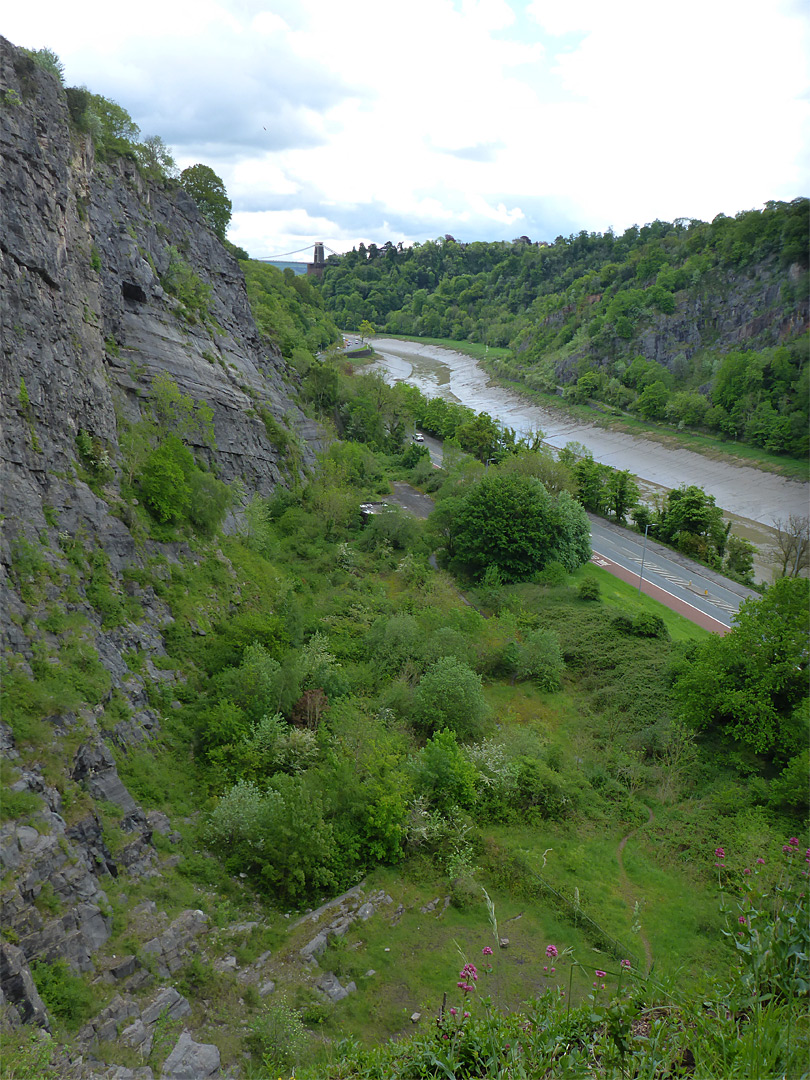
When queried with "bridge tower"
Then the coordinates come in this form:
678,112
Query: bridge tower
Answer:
317,266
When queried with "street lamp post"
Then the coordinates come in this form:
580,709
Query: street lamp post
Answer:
643,553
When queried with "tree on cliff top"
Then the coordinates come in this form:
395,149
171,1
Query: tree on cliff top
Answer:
209,193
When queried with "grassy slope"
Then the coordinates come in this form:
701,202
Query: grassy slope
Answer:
677,910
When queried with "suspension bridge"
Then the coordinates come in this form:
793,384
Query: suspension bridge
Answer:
302,266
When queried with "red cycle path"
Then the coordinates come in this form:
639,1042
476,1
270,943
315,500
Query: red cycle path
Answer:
694,614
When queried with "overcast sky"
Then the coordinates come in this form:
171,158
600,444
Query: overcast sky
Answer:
374,120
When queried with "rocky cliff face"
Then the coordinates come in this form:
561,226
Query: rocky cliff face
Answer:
85,325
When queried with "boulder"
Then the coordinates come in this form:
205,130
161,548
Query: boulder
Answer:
330,987
18,987
191,1060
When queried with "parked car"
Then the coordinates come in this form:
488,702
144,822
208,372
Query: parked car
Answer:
419,437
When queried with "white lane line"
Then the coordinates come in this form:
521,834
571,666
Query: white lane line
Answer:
673,579
595,555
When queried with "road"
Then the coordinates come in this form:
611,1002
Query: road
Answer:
699,594
692,590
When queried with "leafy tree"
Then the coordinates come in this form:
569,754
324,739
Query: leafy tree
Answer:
450,696
165,480
739,562
652,401
512,522
155,158
209,193
572,534
622,493
691,520
444,774
112,129
750,686
366,329
481,436
48,61
589,478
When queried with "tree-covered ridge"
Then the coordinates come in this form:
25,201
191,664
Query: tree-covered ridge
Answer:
290,311
661,320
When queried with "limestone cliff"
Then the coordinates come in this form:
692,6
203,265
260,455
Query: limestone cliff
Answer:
86,323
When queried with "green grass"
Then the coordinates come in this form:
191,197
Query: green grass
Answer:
626,597
418,961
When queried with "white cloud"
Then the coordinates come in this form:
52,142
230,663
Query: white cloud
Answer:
368,120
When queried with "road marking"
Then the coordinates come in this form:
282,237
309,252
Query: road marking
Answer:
673,579
650,588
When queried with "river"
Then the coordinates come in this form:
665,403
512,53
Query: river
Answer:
752,499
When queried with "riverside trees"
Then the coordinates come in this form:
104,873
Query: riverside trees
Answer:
584,310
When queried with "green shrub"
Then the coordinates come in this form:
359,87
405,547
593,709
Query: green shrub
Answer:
645,624
66,996
277,1036
278,834
450,696
589,589
180,281
538,657
210,499
165,480
444,775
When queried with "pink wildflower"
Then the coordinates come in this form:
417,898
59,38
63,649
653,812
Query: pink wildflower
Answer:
742,920
746,871
760,862
600,974
720,853
466,1016
486,951
545,967
626,964
794,840
552,971
551,952
453,1012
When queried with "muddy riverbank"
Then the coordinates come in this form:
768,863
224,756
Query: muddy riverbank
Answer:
750,498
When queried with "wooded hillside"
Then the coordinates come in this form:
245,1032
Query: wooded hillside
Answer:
702,325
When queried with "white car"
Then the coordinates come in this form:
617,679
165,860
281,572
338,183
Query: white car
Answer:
419,437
